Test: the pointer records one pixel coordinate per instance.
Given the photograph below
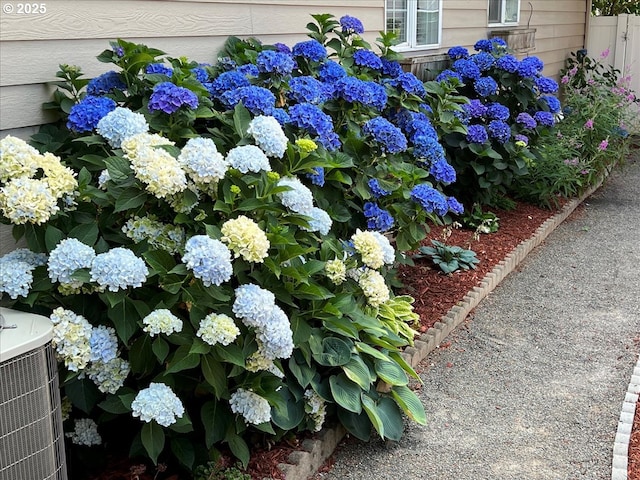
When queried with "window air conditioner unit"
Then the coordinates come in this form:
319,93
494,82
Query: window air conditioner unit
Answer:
31,437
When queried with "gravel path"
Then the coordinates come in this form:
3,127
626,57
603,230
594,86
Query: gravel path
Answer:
531,387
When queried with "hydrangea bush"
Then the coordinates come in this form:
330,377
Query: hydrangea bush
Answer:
203,291
511,107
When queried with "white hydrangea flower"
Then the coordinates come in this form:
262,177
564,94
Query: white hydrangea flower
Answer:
218,328
320,221
85,432
202,161
388,252
248,158
268,134
258,362
251,406
120,124
299,198
158,403
315,407
161,321
275,336
374,287
368,246
71,338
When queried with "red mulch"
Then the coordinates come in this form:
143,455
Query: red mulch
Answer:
435,293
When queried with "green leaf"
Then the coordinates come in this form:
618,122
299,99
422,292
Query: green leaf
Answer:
152,437
391,418
335,352
410,404
184,451
83,394
214,374
160,349
231,354
241,120
141,355
86,233
301,371
113,404
118,168
216,420
405,365
374,352
160,261
183,360
288,413
345,393
358,425
182,424
52,237
199,346
370,409
238,447
123,315
391,373
357,371
130,199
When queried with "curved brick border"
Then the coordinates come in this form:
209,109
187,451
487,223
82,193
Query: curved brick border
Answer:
620,464
304,463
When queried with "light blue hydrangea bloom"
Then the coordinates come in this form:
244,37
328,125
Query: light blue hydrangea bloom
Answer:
161,321
275,337
251,406
121,123
268,134
109,376
253,305
319,221
159,403
118,268
388,252
103,344
25,255
248,158
103,179
16,277
209,259
299,198
85,432
68,256
202,161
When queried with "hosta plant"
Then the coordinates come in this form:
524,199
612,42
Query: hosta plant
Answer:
449,258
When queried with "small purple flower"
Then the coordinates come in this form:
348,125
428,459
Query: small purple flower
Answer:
168,98
526,120
603,145
588,125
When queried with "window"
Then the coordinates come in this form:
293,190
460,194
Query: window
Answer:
504,11
415,22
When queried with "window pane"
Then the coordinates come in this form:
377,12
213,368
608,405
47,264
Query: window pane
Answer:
495,11
397,18
511,11
428,19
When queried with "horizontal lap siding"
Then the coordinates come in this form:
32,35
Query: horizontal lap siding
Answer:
75,32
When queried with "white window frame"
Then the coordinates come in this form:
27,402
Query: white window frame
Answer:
412,28
503,13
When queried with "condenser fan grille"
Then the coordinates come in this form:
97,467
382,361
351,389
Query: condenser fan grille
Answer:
31,437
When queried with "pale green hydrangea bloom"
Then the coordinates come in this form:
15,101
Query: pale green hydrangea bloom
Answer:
161,321
71,337
85,432
218,328
369,248
374,287
245,238
336,271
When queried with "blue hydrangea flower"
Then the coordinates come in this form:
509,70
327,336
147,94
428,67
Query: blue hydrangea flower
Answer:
282,48
298,198
103,344
526,120
248,70
68,256
121,123
376,190
475,109
430,199
202,161
442,172
552,102
367,93
317,177
281,116
253,305
455,53
227,81
477,134
521,138
497,111
467,69
455,206
410,84
275,338
484,60
498,42
546,85
159,68
530,67
270,61
447,74
27,256
367,58
391,67
248,158
157,403
209,259
105,83
306,89
84,116
483,45
16,277
377,218
117,269
201,74
485,86
389,137
499,130
427,147
310,49
331,71
168,98
319,221
544,118
311,118
508,63
257,100
351,25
